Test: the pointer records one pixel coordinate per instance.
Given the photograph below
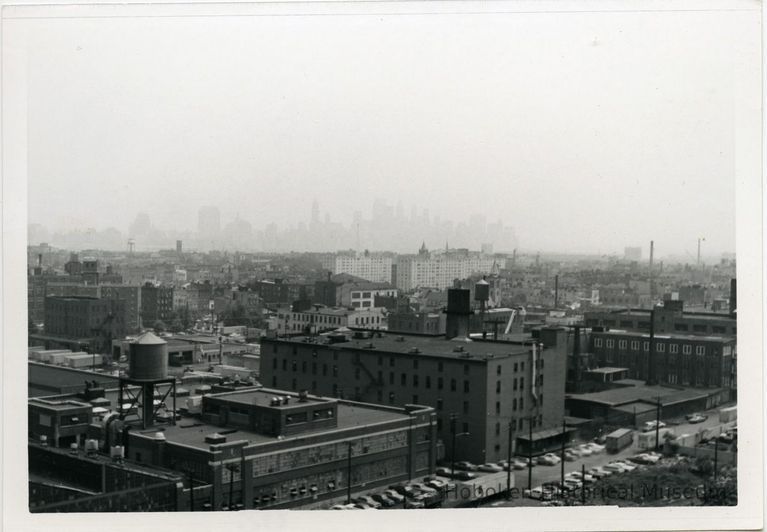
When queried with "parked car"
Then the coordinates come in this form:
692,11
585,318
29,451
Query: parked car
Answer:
422,487
394,495
727,437
363,506
595,447
537,493
696,418
599,472
548,459
366,499
414,504
650,425
586,479
444,472
614,467
465,475
437,484
625,465
384,500
570,456
585,450
489,468
465,466
403,489
518,464
503,464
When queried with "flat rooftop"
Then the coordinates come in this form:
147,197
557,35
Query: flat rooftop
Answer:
641,393
191,431
426,346
669,336
263,397
607,370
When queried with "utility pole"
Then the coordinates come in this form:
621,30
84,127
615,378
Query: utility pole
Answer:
452,452
583,484
716,456
657,423
508,466
349,474
562,457
530,454
191,493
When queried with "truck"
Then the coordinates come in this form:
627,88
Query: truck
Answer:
619,440
727,415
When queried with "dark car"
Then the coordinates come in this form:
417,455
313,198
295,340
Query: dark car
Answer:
465,475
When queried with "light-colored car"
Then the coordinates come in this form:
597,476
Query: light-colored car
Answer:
599,472
570,456
585,450
518,464
696,418
613,467
587,478
625,465
595,447
650,425
537,493
368,500
489,468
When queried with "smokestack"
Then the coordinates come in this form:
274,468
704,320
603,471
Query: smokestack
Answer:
652,254
556,291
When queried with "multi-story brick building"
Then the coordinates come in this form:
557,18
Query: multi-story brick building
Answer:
129,295
485,386
685,360
670,318
320,319
266,448
97,320
370,266
439,271
156,303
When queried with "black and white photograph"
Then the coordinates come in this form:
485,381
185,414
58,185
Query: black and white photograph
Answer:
463,264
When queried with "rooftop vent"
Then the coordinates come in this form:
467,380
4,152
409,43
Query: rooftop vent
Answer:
414,350
275,401
215,438
285,400
303,396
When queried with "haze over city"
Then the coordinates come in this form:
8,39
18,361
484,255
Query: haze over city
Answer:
587,148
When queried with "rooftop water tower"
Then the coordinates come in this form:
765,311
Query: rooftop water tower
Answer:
140,394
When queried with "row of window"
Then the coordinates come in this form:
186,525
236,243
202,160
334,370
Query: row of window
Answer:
660,347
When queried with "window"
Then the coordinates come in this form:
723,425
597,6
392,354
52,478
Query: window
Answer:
673,348
498,370
646,347
465,369
497,386
391,398
303,366
700,350
439,403
415,381
610,343
465,407
284,364
514,404
686,349
465,386
428,382
635,345
415,363
521,366
540,380
515,384
274,363
597,342
439,383
391,362
324,370
515,366
521,403
622,344
403,379
660,348
335,370
497,407
497,429
452,385
521,383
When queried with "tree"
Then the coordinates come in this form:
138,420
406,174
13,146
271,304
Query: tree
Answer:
159,326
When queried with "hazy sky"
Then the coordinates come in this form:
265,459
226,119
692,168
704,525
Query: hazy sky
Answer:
585,131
